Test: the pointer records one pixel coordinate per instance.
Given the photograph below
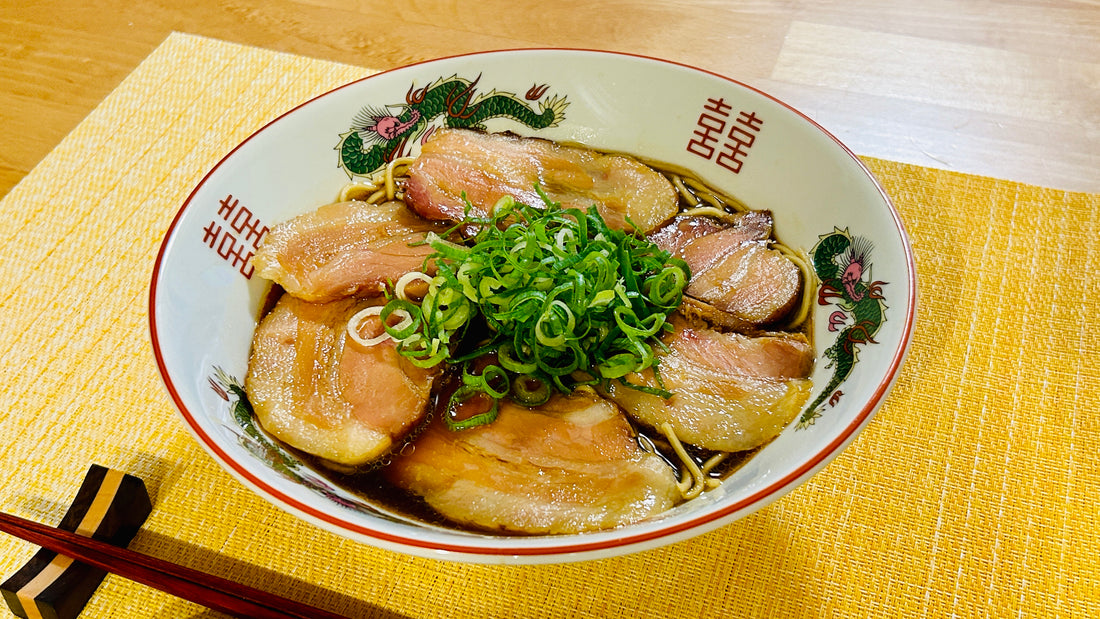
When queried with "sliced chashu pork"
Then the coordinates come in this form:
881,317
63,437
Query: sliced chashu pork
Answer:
737,280
738,228
487,166
731,392
344,249
569,466
316,389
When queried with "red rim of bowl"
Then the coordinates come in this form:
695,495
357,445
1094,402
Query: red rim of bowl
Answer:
758,499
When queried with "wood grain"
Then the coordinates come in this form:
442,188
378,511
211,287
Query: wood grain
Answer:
1007,88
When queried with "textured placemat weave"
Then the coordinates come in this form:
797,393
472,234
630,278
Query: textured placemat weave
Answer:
972,493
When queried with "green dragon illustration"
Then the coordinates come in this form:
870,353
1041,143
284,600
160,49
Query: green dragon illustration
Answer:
841,262
378,136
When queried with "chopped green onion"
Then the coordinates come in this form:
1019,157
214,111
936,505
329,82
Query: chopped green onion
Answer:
530,391
507,357
459,397
410,320
567,301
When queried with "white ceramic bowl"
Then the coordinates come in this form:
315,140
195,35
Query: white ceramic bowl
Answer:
203,306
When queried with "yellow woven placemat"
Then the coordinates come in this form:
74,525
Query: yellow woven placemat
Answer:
972,493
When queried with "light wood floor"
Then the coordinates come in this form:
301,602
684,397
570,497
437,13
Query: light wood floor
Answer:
1002,88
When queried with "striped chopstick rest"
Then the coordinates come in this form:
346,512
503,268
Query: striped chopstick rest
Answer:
111,507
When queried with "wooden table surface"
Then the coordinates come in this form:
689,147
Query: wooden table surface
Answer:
1004,88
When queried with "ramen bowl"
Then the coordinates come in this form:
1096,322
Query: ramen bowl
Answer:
205,298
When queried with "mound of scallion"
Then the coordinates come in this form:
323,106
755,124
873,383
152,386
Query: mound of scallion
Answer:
553,295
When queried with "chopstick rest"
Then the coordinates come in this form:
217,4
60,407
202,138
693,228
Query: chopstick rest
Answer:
110,506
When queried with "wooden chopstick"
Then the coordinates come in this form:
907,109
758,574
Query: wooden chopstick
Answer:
199,587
